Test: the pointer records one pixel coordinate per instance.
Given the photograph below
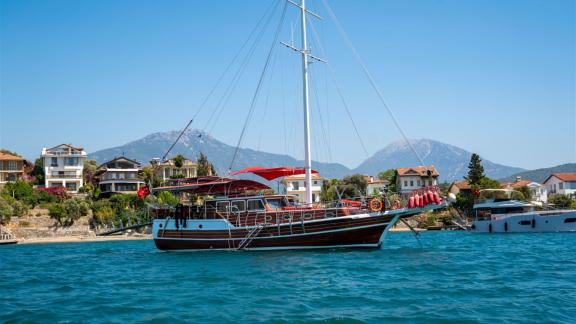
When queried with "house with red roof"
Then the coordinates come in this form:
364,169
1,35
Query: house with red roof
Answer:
561,183
460,187
538,190
410,179
11,167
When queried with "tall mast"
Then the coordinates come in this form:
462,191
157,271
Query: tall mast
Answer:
306,56
307,151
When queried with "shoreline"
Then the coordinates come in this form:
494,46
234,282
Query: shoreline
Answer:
76,239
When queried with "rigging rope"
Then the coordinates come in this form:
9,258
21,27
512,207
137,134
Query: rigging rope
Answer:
369,77
340,93
259,86
211,92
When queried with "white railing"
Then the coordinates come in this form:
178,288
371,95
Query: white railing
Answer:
6,235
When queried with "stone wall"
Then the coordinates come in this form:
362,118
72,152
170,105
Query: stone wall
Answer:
37,224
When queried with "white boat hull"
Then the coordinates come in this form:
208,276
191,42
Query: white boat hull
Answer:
532,222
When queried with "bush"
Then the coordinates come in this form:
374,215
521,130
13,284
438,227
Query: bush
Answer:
560,201
6,211
167,198
57,212
22,191
24,224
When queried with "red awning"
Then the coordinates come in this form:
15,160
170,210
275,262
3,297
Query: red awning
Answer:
212,185
272,173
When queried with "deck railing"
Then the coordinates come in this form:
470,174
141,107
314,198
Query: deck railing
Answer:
6,235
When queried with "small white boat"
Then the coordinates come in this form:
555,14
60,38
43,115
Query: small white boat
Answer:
515,216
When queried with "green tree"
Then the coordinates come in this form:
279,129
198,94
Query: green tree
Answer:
89,171
38,171
204,166
150,177
391,176
328,192
560,201
179,161
167,198
22,191
6,211
526,193
57,212
356,182
475,170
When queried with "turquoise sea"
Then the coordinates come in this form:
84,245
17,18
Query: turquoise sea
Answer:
454,276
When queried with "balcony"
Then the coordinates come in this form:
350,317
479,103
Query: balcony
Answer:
64,176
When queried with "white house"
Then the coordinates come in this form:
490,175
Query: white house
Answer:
119,175
410,179
561,183
63,166
296,185
375,186
538,191
167,170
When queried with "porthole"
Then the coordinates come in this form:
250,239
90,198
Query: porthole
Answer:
160,225
287,216
307,216
200,226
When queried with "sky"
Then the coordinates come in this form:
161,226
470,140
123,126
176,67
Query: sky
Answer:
493,77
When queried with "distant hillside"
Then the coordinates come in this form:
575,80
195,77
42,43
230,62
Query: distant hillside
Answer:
539,175
450,161
219,153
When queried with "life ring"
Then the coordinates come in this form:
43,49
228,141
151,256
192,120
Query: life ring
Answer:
375,205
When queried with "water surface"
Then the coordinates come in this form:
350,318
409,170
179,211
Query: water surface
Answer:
455,276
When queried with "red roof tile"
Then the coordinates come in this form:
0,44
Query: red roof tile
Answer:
565,176
9,157
421,171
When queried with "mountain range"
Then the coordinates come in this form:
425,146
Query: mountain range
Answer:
450,161
540,175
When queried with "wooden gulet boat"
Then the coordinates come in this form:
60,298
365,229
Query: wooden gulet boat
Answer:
237,216
241,219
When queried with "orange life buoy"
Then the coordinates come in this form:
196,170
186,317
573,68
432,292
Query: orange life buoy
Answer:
375,205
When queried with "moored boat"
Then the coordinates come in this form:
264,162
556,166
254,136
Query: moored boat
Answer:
506,215
239,217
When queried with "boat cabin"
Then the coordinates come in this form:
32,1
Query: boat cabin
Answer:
486,209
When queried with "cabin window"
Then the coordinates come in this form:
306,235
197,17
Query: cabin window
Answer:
483,213
222,206
295,185
507,210
276,203
238,205
255,204
570,220
309,216
525,222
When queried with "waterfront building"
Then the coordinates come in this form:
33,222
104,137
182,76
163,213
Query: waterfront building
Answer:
460,187
296,185
63,166
410,179
120,175
538,191
11,168
375,185
167,170
561,183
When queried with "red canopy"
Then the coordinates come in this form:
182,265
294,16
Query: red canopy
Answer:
272,173
213,185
